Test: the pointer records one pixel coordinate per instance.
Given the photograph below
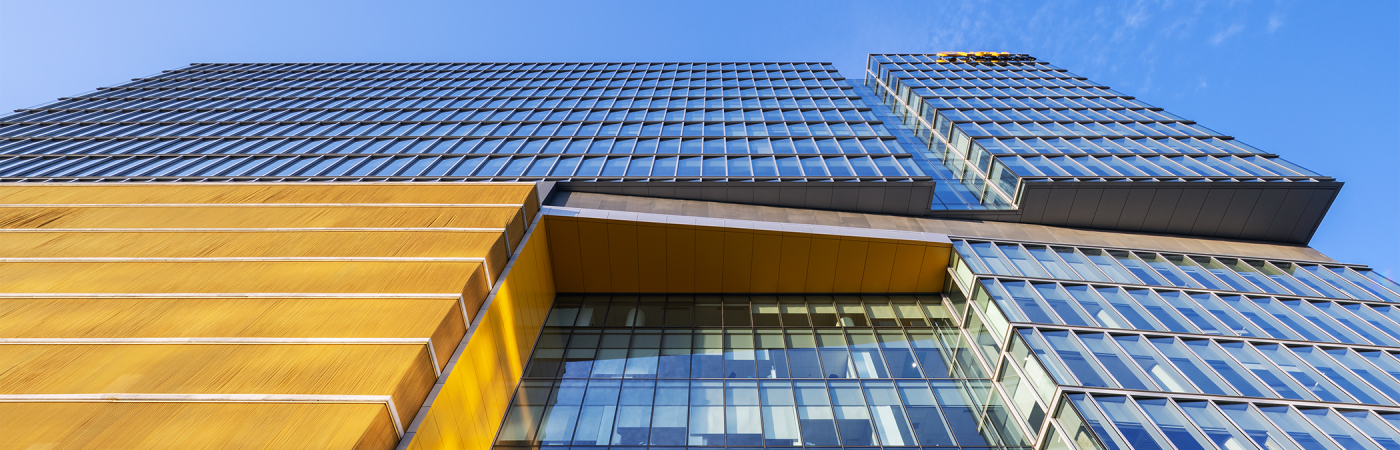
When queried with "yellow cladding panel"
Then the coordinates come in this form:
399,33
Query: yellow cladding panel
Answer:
108,252
651,265
792,265
182,426
680,258
262,216
879,262
737,263
821,264
390,277
596,255
596,277
403,371
935,257
110,193
767,258
908,265
439,319
709,259
474,398
206,244
566,254
622,248
850,265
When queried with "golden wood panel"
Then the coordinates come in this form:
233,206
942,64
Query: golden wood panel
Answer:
332,243
403,371
474,397
184,426
260,216
125,301
440,319
387,277
358,192
600,255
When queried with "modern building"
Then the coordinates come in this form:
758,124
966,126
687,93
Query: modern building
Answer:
955,250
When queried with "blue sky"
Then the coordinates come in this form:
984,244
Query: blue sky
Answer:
1317,82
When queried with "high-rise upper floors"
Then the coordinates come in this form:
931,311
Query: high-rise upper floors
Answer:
983,137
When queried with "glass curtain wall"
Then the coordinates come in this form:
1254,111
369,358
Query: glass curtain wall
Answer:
464,121
755,371
1130,348
997,121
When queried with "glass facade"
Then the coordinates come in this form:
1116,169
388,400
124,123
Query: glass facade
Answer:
447,122
755,371
995,120
1038,340
1157,350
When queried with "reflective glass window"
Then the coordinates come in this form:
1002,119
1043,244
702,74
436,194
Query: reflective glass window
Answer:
1233,371
1136,430
1332,423
1173,424
1259,429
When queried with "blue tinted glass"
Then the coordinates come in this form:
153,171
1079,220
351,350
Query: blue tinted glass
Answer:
1262,431
1238,377
1028,302
1184,305
1173,424
1215,425
1130,310
1155,366
1339,375
1096,307
1374,427
1305,375
1262,368
1160,310
1231,319
1135,429
1261,319
1098,423
1116,363
1197,371
1074,357
1324,322
1060,301
1287,317
1335,426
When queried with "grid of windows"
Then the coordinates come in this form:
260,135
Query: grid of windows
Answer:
1173,311
1128,422
315,121
760,371
447,167
1175,270
1358,375
971,116
1090,330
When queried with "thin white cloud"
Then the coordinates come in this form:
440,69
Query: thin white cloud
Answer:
1220,37
1275,21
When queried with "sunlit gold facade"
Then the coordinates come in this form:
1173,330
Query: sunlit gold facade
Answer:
250,315
567,253
335,315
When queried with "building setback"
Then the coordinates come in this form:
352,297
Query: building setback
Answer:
956,250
